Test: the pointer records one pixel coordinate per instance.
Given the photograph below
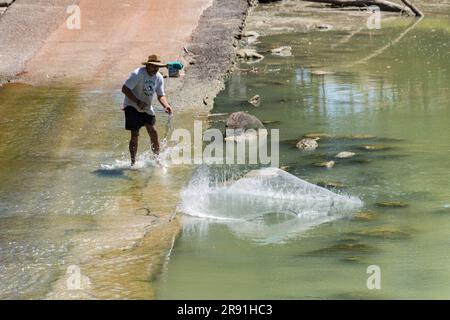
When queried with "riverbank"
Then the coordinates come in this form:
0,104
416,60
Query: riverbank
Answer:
125,243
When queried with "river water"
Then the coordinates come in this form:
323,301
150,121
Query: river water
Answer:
392,109
68,198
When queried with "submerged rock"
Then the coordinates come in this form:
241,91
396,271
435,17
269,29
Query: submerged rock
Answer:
307,144
361,136
318,136
321,72
351,259
326,164
255,100
247,34
392,204
364,216
251,36
345,155
375,147
249,54
284,51
384,232
270,121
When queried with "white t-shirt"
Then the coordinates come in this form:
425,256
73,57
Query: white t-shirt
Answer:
144,87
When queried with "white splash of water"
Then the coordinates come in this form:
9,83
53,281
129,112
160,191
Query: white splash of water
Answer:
143,160
246,204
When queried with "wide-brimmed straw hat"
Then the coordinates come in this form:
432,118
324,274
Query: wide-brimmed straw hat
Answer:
155,60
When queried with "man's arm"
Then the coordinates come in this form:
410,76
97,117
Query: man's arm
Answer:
165,104
130,95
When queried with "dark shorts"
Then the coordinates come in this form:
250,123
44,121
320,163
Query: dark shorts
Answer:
134,119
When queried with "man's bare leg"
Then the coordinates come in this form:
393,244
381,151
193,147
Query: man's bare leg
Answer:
153,138
133,145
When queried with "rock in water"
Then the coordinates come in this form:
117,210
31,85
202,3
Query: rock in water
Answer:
270,121
363,216
250,34
255,100
321,72
392,204
375,147
249,54
345,248
307,144
362,136
243,120
317,136
284,51
345,155
384,232
326,164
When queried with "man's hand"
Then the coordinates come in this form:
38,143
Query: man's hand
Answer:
168,110
165,104
141,104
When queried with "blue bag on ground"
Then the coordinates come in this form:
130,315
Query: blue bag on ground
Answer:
174,68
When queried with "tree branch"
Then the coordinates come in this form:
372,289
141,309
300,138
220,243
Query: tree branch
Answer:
382,4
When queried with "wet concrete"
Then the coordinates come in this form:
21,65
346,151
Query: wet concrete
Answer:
114,38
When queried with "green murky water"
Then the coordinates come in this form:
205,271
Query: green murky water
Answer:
399,99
